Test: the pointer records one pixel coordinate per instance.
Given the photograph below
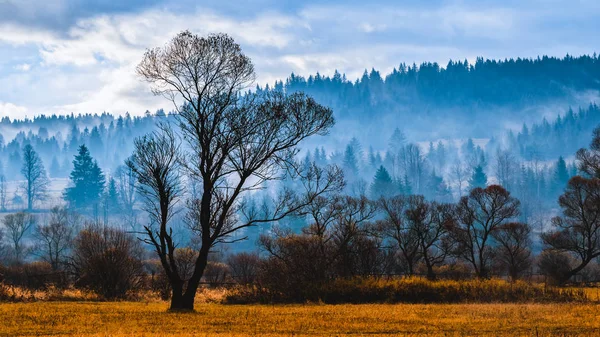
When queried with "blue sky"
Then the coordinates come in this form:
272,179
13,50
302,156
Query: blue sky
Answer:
63,56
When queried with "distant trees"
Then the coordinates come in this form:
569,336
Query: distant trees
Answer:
87,182
36,181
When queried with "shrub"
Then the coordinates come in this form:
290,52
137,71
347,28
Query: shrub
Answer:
555,265
244,267
415,290
107,261
32,276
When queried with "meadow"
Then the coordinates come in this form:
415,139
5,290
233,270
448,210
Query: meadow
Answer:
211,319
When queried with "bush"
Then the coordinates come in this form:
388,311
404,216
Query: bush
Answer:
555,265
244,267
107,261
415,290
32,276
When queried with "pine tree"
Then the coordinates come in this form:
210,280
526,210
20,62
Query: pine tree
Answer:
350,162
112,197
478,179
383,185
87,181
561,174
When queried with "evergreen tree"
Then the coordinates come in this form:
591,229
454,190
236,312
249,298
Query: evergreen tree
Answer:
55,170
87,181
561,174
383,185
112,197
478,179
350,162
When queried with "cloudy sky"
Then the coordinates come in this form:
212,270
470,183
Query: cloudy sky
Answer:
63,56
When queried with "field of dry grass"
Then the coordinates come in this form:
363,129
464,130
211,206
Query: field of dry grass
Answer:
211,319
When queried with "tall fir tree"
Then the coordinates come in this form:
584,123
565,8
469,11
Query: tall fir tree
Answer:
87,182
383,185
478,178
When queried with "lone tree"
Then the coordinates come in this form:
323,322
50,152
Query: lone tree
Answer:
87,181
233,144
36,181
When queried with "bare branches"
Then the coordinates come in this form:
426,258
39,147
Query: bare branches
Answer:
234,143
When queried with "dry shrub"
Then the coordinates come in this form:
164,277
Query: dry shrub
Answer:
244,267
107,261
415,290
216,273
32,276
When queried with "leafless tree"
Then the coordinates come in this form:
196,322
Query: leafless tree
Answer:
460,173
589,160
429,223
55,238
234,143
17,226
506,167
395,226
479,215
513,251
126,186
36,181
244,267
578,231
413,163
3,193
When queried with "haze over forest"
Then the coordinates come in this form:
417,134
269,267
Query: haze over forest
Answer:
434,129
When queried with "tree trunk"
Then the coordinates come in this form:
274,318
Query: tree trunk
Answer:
185,300
177,300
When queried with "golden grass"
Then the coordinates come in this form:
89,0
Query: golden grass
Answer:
151,319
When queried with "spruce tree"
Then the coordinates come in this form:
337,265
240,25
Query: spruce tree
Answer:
478,179
383,185
87,181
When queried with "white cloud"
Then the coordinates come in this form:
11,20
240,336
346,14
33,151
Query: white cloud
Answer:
12,110
89,67
23,67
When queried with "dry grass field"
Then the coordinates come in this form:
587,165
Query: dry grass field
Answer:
151,319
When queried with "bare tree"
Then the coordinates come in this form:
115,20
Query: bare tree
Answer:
17,226
3,193
36,181
55,238
479,215
127,192
589,160
506,167
429,223
244,267
234,142
513,247
414,165
578,231
395,226
460,173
